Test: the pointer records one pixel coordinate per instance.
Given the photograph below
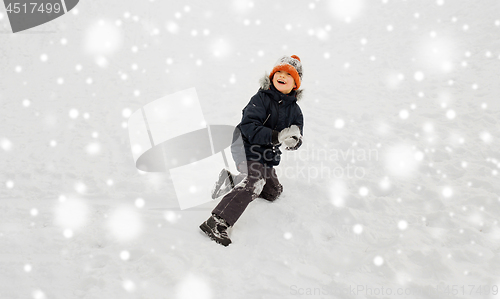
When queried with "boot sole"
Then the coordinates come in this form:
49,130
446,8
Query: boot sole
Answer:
206,229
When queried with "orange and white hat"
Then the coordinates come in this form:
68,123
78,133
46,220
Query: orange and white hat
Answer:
291,65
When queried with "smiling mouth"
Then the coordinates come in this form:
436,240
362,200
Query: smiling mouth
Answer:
281,81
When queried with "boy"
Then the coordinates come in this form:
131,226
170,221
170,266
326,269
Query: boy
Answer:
271,118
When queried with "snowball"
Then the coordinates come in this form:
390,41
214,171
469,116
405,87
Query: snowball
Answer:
378,261
363,191
402,225
125,224
357,229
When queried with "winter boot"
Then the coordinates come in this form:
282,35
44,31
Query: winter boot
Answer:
216,228
224,184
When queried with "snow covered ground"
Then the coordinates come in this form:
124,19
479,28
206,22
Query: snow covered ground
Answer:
394,193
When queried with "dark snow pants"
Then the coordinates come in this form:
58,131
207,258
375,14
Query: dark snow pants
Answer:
261,181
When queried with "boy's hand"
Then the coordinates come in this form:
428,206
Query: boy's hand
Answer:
290,137
292,144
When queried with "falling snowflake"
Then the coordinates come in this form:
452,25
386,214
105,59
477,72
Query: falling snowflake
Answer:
378,261
447,192
402,225
357,229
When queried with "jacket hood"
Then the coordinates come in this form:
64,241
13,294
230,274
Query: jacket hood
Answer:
265,84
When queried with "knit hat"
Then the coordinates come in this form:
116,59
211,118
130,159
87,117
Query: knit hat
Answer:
291,65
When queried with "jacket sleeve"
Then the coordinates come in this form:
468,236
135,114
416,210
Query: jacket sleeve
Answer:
299,121
252,122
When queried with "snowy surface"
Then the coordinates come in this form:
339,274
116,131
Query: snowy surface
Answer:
396,188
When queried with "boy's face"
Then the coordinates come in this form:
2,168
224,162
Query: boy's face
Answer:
283,82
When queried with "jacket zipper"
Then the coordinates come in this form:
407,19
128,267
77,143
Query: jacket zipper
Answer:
279,103
266,119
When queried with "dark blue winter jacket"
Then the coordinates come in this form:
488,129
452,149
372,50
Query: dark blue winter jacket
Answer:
268,110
